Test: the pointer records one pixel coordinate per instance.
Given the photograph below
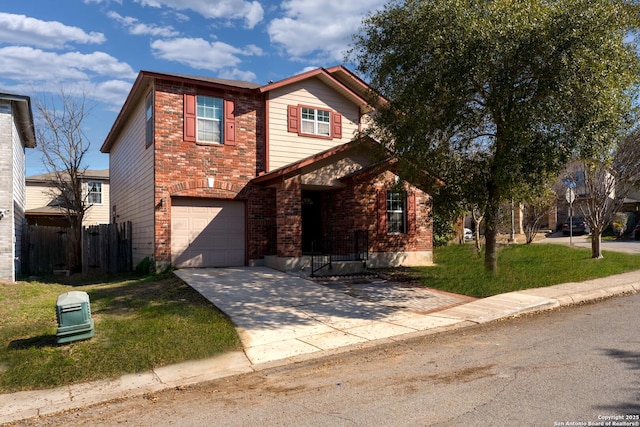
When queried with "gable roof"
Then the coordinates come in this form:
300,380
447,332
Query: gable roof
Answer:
24,116
45,178
144,80
338,78
350,86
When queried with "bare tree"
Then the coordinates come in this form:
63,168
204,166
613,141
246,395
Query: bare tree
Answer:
602,185
535,209
64,145
478,215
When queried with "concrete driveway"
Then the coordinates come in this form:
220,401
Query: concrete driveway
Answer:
280,315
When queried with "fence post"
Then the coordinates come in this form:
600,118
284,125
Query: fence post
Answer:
85,252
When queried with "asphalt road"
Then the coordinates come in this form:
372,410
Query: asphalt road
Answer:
572,366
626,245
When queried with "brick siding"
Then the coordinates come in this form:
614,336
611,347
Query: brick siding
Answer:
183,168
273,215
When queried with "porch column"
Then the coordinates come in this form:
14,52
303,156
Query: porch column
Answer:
289,217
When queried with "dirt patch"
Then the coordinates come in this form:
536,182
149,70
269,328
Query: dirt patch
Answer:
463,376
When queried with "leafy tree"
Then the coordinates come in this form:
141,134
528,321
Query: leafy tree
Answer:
515,87
64,145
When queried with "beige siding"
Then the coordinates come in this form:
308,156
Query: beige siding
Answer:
99,213
39,195
131,179
286,147
366,121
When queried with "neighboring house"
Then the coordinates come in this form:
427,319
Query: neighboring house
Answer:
214,172
44,207
16,134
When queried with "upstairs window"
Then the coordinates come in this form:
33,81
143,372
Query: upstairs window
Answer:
315,122
396,212
148,118
209,113
95,193
209,120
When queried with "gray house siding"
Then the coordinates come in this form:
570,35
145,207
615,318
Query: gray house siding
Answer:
7,248
19,197
16,134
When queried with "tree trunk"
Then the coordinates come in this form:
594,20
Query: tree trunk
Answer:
491,233
477,233
596,238
491,250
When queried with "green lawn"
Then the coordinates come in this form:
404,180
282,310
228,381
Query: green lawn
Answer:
159,320
459,268
139,324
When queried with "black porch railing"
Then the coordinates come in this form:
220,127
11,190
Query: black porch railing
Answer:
339,248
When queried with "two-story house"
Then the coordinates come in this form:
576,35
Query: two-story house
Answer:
45,207
16,134
213,172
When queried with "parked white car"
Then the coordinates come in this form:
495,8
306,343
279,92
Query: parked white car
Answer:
468,235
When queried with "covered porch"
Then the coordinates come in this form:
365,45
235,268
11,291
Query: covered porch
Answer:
315,227
331,215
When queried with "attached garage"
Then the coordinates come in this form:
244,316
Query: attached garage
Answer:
207,233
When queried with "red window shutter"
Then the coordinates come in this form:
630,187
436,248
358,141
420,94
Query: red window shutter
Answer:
336,125
293,119
229,122
189,117
411,213
382,212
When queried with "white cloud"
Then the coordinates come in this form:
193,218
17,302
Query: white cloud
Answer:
235,74
320,28
253,50
251,11
37,66
112,92
137,28
201,54
26,31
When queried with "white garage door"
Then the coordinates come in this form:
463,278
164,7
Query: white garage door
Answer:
207,233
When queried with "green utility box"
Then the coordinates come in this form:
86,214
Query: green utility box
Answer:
74,317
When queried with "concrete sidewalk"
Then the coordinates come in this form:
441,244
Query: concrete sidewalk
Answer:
283,319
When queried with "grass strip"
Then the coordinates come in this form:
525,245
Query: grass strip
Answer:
140,324
460,268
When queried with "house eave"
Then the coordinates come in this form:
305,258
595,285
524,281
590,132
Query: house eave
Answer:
145,79
88,175
298,167
24,116
328,79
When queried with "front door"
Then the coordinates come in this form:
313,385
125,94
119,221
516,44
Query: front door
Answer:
311,220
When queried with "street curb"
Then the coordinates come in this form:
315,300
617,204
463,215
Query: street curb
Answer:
29,404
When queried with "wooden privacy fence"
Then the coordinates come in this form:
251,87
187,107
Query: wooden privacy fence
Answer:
106,248
45,249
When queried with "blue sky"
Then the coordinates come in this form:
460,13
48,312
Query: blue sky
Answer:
99,46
